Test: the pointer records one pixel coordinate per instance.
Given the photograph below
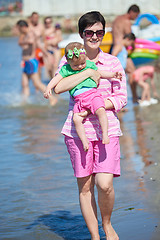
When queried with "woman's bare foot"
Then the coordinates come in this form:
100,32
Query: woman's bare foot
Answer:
110,232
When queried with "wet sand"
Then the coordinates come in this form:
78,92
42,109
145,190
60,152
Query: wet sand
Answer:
140,180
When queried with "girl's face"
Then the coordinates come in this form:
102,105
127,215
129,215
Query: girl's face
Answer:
78,63
93,41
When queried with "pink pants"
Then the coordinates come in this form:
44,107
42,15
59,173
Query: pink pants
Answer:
91,100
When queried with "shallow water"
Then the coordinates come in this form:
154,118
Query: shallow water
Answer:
39,197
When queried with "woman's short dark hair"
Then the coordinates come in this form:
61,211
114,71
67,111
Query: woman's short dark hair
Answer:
89,19
22,23
134,8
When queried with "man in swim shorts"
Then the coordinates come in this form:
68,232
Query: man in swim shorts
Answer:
28,43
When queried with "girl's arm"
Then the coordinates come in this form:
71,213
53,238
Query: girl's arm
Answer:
106,74
141,74
70,82
155,93
54,81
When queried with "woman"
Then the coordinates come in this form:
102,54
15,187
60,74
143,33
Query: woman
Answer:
101,162
52,36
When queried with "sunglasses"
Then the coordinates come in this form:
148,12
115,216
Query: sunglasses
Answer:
90,33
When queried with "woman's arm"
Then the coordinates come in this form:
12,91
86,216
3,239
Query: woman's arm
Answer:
70,82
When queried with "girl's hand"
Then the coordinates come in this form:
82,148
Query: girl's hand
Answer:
118,75
47,93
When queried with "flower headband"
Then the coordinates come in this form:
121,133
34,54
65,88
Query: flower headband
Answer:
75,52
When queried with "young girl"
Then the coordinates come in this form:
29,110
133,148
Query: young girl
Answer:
140,76
87,98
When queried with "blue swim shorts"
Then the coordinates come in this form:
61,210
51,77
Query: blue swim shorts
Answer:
31,66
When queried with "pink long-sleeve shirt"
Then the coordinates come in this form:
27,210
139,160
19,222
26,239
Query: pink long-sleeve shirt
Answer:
112,89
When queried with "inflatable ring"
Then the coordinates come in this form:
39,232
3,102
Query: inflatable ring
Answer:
143,55
106,42
146,46
153,19
155,39
144,50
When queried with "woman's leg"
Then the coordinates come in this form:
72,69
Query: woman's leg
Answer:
104,183
88,205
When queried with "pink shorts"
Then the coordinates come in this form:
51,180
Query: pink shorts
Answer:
91,100
100,158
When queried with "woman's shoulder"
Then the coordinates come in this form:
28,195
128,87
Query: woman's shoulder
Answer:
107,56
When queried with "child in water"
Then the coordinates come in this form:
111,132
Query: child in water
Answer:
120,50
140,76
87,98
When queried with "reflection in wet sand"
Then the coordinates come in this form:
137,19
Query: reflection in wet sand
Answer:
39,131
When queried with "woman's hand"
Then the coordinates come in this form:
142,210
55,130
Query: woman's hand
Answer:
95,75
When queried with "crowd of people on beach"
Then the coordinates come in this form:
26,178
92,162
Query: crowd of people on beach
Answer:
96,82
39,43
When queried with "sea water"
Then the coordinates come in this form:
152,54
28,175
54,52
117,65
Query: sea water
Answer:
38,192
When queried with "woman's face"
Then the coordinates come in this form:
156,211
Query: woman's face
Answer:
95,40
